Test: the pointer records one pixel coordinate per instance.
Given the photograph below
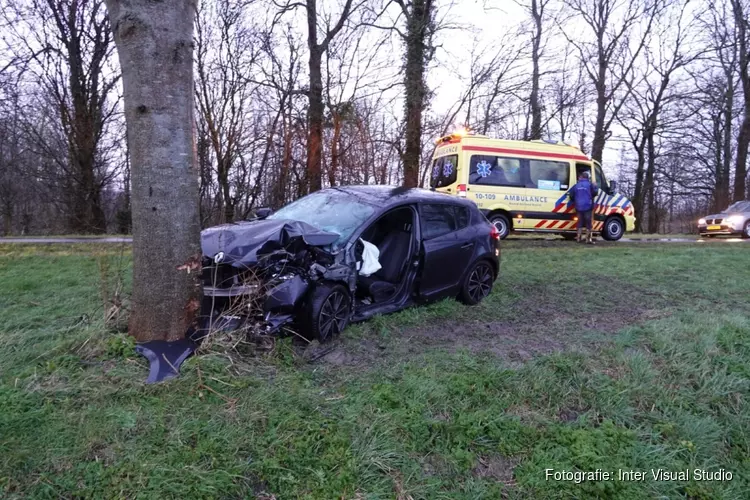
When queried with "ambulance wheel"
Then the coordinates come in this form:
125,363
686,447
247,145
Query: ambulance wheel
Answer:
746,231
569,236
613,229
501,224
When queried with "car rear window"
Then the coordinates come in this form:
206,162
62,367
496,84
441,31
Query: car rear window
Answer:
444,171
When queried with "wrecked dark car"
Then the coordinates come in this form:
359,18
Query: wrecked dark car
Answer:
344,254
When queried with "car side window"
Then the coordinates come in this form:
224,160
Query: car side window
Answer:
437,220
497,171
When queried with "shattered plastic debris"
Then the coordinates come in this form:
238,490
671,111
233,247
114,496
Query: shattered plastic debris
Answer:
165,357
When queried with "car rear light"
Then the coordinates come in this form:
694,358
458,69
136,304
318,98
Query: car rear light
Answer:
461,190
494,233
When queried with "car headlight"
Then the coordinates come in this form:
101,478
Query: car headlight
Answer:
735,219
701,222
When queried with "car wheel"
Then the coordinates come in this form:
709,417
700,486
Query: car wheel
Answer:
478,283
613,230
329,309
501,224
746,231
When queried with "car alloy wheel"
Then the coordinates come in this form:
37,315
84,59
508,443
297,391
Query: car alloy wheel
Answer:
746,233
479,284
334,315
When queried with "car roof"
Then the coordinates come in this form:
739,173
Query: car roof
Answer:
391,196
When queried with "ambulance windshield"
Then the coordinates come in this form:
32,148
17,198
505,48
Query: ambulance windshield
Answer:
444,171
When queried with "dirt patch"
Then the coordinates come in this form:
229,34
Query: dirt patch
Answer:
545,321
497,467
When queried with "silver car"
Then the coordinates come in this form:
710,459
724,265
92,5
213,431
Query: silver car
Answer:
735,220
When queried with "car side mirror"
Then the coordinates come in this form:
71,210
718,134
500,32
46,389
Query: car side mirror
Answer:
263,213
612,187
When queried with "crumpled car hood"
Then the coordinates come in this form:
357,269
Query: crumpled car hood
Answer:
244,242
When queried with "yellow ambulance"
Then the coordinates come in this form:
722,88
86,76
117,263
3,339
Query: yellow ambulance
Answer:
523,185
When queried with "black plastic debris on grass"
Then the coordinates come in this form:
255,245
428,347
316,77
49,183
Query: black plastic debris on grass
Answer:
165,357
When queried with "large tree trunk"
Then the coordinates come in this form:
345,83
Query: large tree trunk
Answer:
638,196
316,109
155,45
335,148
600,134
725,135
536,106
416,40
743,141
650,187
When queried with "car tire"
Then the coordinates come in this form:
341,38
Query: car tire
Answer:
502,224
613,229
746,230
328,311
478,283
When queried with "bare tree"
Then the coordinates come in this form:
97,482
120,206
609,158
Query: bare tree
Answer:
741,12
155,47
316,51
226,53
614,43
538,11
650,93
68,45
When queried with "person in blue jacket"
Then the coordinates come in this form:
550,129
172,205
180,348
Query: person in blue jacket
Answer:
582,196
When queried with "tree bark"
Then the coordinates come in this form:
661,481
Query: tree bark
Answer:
600,132
155,45
537,11
650,187
743,139
336,117
316,108
417,32
722,177
638,193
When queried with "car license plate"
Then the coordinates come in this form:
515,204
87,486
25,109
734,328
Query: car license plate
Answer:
714,228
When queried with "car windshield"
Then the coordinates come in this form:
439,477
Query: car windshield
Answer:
330,210
740,206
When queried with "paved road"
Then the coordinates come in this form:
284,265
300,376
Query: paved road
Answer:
66,240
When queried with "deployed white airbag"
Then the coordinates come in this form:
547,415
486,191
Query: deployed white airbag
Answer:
370,255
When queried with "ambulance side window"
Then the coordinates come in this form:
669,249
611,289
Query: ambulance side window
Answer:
545,174
497,171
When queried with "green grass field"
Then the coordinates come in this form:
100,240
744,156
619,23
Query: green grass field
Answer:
613,357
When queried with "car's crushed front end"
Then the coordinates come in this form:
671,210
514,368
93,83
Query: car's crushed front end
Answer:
257,274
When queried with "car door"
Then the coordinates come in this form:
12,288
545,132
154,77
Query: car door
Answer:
444,254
